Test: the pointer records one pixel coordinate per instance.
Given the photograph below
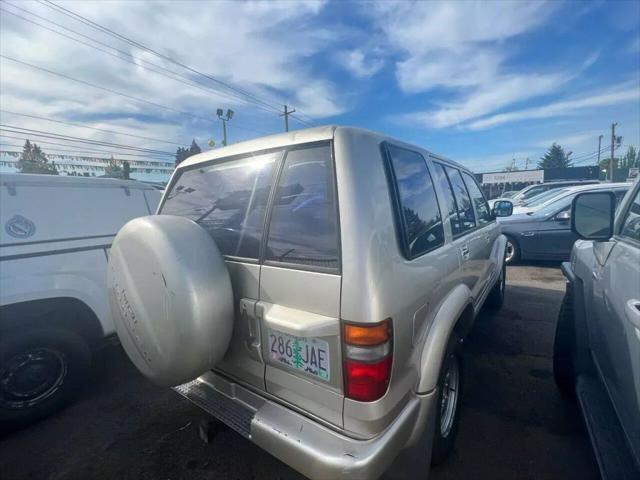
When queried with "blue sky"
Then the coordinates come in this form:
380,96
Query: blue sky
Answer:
481,83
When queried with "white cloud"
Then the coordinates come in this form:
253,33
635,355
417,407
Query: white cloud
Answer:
504,91
355,61
261,47
560,108
464,48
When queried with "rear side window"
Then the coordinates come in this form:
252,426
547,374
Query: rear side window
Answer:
228,200
482,207
304,224
449,207
422,229
463,201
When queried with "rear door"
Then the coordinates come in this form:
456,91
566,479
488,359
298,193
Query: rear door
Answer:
300,282
487,232
616,342
228,198
466,238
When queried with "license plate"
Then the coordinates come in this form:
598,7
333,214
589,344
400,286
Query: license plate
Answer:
309,355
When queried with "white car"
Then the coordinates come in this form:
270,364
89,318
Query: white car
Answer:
54,241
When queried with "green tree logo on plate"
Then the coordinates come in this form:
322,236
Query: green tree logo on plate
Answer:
297,357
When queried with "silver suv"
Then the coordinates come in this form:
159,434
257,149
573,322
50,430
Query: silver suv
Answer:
597,344
311,290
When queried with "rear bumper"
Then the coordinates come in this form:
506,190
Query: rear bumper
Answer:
307,446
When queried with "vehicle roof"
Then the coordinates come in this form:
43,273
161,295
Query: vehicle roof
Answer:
308,135
69,181
598,186
571,190
562,182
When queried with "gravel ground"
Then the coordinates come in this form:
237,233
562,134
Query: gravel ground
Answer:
514,424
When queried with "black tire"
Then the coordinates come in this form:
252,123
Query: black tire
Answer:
445,435
564,349
495,299
41,370
512,255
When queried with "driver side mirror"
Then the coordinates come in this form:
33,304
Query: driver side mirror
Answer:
502,208
592,215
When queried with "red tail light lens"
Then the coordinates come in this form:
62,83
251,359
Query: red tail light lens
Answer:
368,359
367,382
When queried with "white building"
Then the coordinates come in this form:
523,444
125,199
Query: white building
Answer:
151,170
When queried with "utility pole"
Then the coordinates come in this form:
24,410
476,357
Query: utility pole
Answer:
599,148
613,143
286,114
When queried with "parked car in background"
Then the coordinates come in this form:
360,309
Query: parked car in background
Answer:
543,232
315,289
597,342
509,194
531,191
55,235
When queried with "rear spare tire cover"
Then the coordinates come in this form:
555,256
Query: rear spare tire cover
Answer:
170,297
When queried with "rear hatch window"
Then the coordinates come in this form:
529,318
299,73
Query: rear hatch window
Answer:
228,199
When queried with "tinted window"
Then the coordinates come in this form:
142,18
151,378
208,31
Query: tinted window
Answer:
533,192
303,226
418,203
228,200
482,207
631,225
544,197
449,207
465,208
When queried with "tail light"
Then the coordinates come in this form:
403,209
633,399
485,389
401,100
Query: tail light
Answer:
368,358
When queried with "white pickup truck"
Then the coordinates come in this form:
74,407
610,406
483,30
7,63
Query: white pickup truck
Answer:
55,235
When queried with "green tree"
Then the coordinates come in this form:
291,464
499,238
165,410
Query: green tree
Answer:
184,153
34,160
631,158
556,157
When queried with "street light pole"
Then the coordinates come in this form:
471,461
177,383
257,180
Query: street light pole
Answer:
224,119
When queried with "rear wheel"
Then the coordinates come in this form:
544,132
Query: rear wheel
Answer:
41,371
564,348
512,254
448,404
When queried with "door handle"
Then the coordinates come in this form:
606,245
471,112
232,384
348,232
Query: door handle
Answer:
632,311
464,250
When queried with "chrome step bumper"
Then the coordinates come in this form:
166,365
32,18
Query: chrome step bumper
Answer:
305,445
234,414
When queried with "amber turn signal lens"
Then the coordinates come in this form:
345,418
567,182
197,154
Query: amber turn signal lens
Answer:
367,335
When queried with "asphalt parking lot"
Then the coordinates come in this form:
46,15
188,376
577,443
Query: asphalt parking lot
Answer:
514,424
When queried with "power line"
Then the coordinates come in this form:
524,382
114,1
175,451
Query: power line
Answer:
91,128
172,75
108,31
45,142
93,85
56,136
132,42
